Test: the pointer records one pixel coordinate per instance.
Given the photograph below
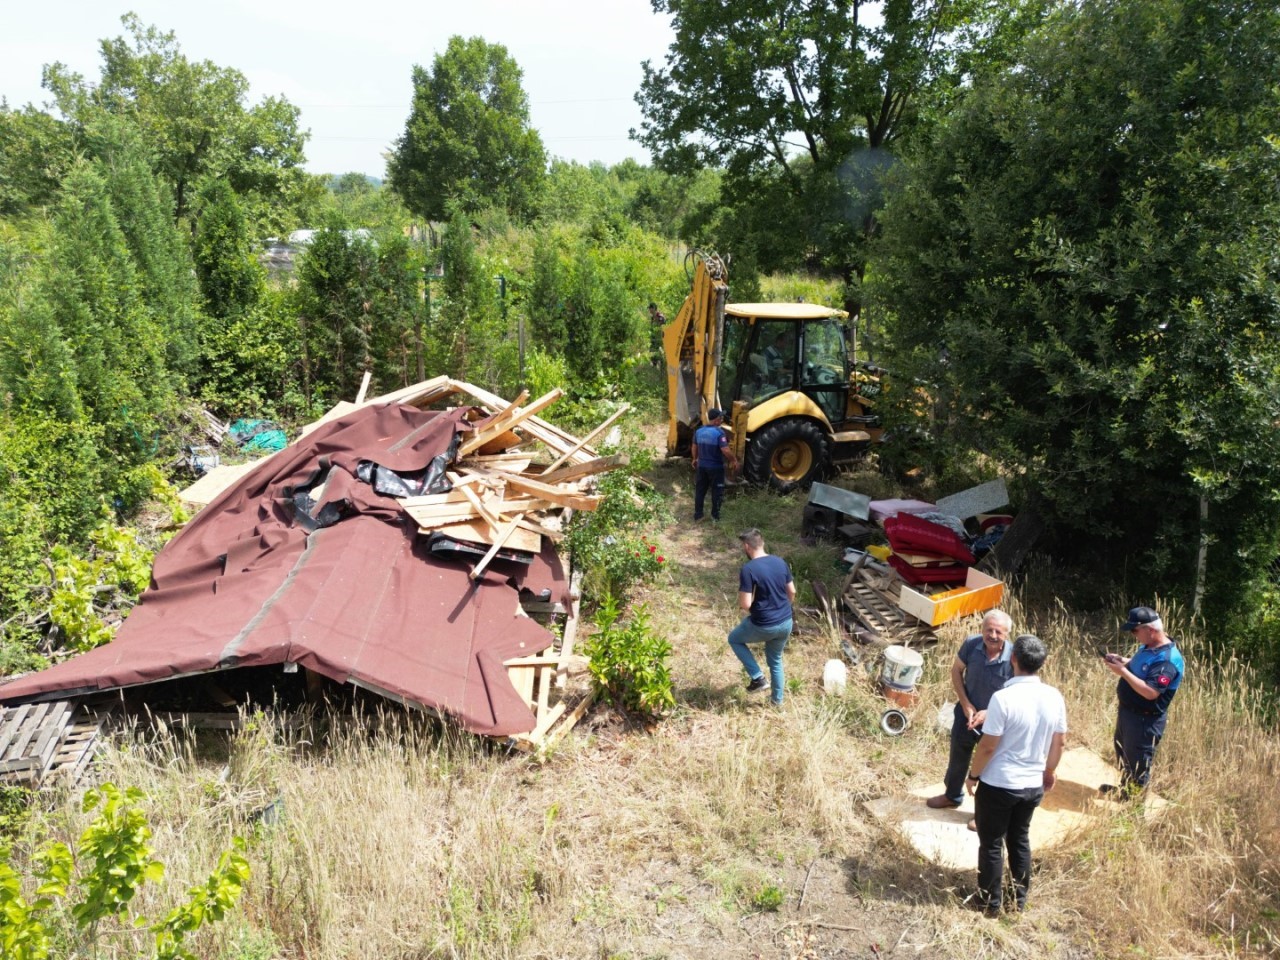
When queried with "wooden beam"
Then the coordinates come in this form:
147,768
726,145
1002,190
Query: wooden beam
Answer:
499,427
570,627
549,492
539,429
433,389
588,438
498,541
364,387
574,472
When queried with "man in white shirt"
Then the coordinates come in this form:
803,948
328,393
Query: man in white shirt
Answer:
1013,766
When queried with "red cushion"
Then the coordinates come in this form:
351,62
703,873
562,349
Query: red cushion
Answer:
920,575
909,534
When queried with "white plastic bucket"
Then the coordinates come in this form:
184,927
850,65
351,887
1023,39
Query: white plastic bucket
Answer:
902,667
834,677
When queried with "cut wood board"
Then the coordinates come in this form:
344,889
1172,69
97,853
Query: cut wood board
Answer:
207,489
478,531
1073,804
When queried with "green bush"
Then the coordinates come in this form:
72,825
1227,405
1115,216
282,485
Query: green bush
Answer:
628,662
82,895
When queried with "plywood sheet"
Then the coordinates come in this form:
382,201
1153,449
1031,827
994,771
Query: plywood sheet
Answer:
1074,803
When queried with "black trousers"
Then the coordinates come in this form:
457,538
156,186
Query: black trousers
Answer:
963,740
1136,738
709,478
1004,820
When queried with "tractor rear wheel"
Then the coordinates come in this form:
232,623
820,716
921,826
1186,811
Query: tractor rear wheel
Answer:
786,454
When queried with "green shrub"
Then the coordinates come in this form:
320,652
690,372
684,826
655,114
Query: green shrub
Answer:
79,893
628,662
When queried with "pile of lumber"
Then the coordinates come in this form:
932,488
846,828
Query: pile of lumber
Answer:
514,479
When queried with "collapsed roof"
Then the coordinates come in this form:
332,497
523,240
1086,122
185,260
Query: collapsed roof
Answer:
308,560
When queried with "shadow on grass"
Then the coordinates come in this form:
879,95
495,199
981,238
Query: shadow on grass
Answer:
890,871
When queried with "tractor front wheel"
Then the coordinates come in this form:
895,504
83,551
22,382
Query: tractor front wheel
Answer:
786,454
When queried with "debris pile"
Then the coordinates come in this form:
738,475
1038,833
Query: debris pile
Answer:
402,545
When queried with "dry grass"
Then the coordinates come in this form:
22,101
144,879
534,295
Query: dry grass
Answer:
397,841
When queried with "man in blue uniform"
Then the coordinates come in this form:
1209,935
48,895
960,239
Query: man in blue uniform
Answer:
1148,681
981,667
710,452
765,592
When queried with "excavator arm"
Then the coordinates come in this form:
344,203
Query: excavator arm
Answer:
692,344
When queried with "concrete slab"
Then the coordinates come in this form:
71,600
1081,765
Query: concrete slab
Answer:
857,505
1073,804
984,498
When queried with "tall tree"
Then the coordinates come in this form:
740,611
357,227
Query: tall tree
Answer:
802,102
36,152
468,139
1090,243
195,116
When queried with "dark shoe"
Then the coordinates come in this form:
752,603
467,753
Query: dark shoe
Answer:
1124,791
758,684
941,802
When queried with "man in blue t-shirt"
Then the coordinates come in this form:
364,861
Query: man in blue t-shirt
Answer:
766,592
1148,681
981,667
710,452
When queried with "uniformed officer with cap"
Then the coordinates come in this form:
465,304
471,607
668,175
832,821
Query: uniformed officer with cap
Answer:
1148,681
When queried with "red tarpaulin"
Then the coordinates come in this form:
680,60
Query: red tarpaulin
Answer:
244,584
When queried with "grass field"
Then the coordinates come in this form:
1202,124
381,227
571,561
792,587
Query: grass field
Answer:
730,829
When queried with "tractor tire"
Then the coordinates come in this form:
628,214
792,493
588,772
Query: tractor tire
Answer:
786,454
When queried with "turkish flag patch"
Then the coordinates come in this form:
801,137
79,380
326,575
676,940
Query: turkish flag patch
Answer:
1162,680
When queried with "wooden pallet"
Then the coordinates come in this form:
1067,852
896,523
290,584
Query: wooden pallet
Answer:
54,739
870,596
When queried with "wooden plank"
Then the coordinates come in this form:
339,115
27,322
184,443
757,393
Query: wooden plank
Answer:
546,674
13,718
522,679
503,535
428,391
509,423
30,729
554,736
549,492
588,438
570,627
477,531
54,729
591,467
364,387
549,434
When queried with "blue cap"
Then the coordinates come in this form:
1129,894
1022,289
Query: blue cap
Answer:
715,413
1138,617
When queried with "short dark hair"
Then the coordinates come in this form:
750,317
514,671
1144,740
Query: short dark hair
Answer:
1030,652
652,305
753,538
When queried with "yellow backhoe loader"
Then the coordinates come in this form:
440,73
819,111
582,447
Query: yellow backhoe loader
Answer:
796,403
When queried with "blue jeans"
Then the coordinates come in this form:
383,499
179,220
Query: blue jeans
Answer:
708,478
774,639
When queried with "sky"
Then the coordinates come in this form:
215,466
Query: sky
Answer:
348,66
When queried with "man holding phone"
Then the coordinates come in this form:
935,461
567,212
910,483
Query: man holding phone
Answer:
1148,681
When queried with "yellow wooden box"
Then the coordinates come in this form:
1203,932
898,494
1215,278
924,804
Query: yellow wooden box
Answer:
979,594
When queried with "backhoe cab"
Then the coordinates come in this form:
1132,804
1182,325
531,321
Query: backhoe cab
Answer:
796,403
